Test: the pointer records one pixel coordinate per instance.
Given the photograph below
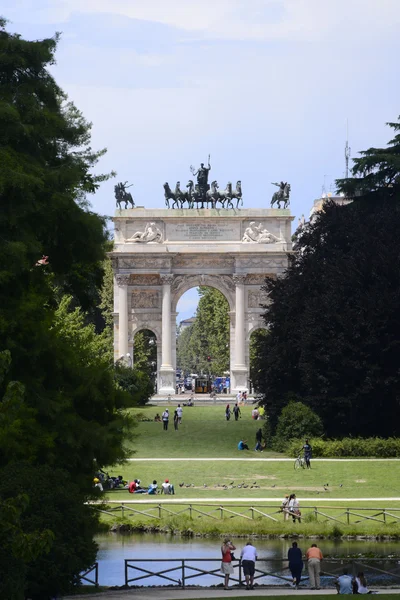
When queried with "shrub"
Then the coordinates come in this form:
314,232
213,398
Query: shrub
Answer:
367,447
296,421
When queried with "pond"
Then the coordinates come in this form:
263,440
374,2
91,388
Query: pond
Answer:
115,548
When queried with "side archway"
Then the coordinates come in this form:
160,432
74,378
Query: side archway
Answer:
255,340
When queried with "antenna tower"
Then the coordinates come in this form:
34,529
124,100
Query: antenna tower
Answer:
347,149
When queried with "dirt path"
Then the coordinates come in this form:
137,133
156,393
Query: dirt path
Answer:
260,459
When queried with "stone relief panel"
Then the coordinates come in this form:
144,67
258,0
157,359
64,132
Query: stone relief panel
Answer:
256,299
259,278
146,299
258,234
145,280
144,262
200,262
151,234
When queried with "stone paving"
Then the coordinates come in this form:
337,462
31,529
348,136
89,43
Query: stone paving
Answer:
198,593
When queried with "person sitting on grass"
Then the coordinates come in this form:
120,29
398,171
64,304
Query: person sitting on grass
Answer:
157,418
242,445
152,488
167,488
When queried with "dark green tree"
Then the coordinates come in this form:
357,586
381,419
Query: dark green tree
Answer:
334,323
376,174
61,414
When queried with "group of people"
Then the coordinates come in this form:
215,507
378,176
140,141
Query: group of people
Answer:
345,584
135,487
257,413
260,443
165,418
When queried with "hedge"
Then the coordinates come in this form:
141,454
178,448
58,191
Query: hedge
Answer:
364,447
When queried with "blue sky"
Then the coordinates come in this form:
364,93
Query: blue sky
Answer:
265,86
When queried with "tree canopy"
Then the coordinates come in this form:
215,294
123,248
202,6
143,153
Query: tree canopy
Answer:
61,411
204,345
334,321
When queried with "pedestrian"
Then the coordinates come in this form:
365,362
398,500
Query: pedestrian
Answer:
344,583
226,564
236,411
165,419
179,410
249,557
239,397
258,440
227,412
294,508
176,419
314,557
244,397
295,559
307,453
285,507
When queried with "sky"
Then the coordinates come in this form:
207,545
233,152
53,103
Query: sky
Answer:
264,86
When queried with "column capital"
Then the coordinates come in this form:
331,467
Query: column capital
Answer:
239,278
122,280
167,278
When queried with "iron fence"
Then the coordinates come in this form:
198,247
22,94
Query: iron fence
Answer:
380,572
93,569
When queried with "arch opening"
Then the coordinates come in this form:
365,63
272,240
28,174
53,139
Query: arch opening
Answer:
203,347
256,339
145,355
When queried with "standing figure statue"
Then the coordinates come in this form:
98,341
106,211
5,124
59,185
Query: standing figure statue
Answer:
282,195
202,186
122,195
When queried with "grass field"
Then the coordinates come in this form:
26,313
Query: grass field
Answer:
205,434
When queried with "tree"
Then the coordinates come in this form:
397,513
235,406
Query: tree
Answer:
296,421
61,413
334,322
207,337
376,173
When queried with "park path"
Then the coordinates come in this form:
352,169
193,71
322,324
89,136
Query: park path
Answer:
258,459
209,593
247,500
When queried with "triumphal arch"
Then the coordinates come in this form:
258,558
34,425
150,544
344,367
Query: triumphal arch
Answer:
159,254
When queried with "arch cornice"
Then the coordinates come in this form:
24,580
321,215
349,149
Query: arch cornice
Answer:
223,283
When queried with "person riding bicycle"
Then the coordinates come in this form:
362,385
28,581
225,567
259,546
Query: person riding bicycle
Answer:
307,449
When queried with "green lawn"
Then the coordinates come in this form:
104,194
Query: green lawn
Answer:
204,432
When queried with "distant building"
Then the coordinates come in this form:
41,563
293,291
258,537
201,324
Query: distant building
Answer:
319,203
186,323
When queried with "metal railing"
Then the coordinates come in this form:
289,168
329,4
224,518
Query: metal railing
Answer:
344,516
93,569
380,572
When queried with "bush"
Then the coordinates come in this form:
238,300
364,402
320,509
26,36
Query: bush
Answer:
296,421
360,447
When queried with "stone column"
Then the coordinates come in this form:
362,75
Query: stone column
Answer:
239,371
122,281
167,374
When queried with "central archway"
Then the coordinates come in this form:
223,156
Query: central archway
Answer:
203,341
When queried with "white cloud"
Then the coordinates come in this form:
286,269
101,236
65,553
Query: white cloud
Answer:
264,20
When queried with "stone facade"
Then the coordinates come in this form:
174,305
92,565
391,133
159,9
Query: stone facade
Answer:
185,249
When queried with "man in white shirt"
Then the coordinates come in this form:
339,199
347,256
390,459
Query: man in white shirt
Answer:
179,412
248,557
167,488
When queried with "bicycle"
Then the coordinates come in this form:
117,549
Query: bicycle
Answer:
300,462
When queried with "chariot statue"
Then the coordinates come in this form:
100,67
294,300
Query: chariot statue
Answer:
282,195
202,194
122,195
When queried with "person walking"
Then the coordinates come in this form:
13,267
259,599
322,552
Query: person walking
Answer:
258,441
227,412
285,507
165,419
179,410
249,556
314,557
226,564
295,559
236,411
176,419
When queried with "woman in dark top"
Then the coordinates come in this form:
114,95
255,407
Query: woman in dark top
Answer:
295,559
